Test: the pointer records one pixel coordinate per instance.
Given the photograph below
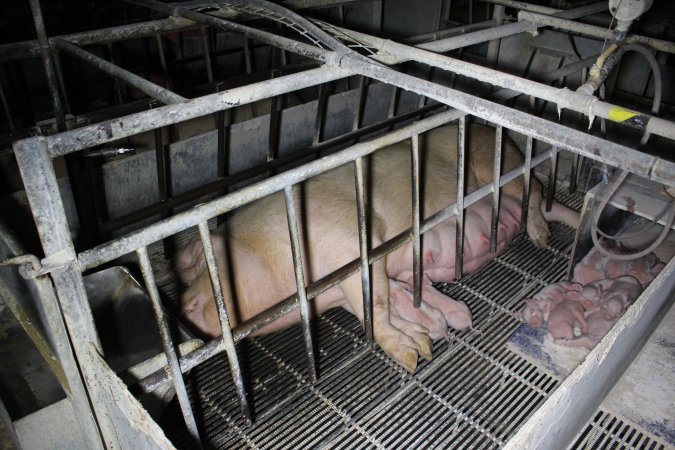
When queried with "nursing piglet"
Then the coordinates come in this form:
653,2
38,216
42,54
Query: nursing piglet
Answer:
596,266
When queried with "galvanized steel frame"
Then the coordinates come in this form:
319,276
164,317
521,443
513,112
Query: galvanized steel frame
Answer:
34,157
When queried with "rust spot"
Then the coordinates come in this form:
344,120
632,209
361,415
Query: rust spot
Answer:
630,204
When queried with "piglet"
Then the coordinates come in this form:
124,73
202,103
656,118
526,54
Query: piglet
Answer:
595,266
538,308
615,295
565,317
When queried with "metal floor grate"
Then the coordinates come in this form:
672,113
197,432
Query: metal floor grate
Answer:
608,431
475,393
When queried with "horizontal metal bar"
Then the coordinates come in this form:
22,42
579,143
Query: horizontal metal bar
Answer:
289,304
118,247
477,37
230,180
564,98
140,83
30,49
592,30
523,6
648,166
112,130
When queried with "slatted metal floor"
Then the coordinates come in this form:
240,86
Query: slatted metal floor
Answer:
474,394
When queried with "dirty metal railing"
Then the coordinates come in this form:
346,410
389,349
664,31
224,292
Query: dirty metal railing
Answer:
34,158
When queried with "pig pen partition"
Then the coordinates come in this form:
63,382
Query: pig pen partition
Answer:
113,412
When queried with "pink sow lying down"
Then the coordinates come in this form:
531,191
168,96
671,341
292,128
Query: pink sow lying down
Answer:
254,244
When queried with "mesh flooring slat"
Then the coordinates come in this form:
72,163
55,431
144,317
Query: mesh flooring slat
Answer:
474,394
606,431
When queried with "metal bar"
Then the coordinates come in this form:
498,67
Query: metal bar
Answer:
29,49
361,103
526,181
322,103
229,180
8,112
114,249
223,119
524,6
162,60
551,179
563,98
459,227
207,56
417,271
47,206
223,316
361,208
478,37
275,124
592,30
299,267
115,129
496,175
289,304
549,132
117,88
169,348
45,52
143,85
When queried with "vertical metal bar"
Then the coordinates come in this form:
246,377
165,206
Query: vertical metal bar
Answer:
417,271
207,55
223,124
497,173
45,51
363,248
275,124
298,265
48,211
228,340
169,348
461,152
551,178
116,82
5,106
321,106
526,181
247,58
162,60
361,103
62,83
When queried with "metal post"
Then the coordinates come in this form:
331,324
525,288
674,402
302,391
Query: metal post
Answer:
299,267
169,348
461,158
526,181
496,174
223,316
417,271
207,56
552,179
44,197
361,207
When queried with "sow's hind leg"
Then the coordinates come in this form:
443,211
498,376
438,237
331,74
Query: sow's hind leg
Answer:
402,341
481,167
